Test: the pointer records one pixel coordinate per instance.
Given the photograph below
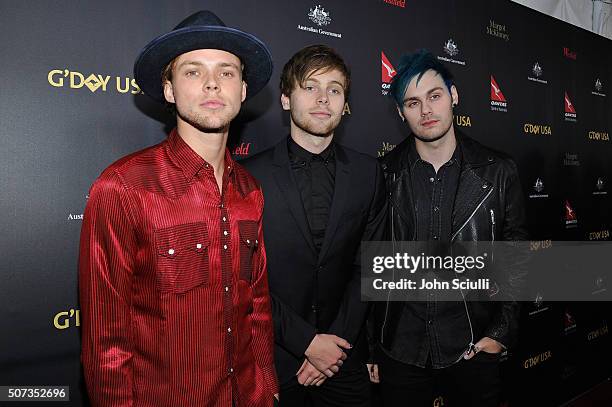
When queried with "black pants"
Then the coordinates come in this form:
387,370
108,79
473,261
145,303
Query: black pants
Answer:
345,389
468,383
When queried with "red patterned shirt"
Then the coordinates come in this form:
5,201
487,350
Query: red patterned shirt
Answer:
173,287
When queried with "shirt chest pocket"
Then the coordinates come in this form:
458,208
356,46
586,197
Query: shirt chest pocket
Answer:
249,248
182,257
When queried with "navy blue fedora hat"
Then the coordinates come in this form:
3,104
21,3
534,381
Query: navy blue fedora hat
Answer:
202,30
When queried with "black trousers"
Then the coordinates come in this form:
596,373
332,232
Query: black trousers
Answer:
350,388
468,383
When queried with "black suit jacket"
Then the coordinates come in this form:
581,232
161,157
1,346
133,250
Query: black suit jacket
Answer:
318,293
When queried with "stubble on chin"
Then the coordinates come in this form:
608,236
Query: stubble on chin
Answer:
206,124
435,137
317,131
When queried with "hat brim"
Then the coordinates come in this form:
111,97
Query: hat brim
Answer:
253,54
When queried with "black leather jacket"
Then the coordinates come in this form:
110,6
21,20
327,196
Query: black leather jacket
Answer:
489,205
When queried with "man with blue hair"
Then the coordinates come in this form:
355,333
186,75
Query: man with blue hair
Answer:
444,187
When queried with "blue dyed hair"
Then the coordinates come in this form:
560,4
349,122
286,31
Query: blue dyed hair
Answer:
416,64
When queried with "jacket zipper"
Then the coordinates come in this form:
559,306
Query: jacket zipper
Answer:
492,225
472,215
382,328
467,311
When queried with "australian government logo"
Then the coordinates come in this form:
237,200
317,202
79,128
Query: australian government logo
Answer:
598,88
600,187
60,78
536,74
388,72
538,305
452,50
322,18
538,190
498,30
498,100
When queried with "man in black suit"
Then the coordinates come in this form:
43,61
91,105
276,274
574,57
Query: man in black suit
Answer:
321,201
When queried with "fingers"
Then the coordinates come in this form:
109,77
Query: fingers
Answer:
472,351
304,364
343,356
310,376
373,371
343,343
328,373
320,380
309,380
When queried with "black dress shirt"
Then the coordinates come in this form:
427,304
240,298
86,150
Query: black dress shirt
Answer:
315,178
435,196
434,200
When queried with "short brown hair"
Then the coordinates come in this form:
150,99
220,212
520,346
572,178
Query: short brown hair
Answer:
166,74
309,60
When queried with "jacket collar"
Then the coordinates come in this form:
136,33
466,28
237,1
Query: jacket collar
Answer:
402,156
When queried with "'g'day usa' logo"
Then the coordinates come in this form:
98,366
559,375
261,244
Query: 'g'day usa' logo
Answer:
59,78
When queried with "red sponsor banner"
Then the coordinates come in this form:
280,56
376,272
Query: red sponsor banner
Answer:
496,93
388,71
569,107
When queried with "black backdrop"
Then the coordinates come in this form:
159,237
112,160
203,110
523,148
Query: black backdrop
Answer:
70,107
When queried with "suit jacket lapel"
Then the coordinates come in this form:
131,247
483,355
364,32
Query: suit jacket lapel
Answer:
341,191
286,184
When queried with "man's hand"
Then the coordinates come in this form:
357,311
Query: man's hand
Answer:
276,396
325,353
308,375
487,345
373,372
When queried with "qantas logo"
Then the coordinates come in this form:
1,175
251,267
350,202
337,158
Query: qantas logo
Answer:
570,216
496,93
570,111
569,107
388,72
498,100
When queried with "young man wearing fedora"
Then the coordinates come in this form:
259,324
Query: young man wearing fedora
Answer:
322,200
172,269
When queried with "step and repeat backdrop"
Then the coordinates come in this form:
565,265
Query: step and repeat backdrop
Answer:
532,86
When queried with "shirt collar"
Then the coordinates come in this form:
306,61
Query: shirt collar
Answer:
298,153
189,161
414,157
